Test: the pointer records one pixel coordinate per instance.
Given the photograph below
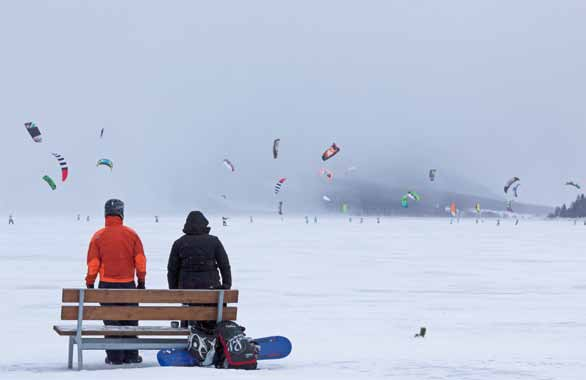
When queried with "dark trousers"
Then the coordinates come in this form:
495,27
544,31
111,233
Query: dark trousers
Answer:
117,356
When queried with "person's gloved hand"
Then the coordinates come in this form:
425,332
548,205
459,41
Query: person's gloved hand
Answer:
89,286
140,285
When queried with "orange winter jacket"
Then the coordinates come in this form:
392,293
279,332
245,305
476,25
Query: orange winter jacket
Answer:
115,253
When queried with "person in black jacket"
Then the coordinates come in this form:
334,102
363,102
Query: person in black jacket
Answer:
196,257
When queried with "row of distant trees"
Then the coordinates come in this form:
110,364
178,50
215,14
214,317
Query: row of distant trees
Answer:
576,210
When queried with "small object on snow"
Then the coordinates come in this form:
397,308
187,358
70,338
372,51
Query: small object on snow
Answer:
224,221
422,332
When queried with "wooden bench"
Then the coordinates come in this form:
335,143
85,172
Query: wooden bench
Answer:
163,305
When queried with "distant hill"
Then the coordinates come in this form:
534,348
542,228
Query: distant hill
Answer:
372,198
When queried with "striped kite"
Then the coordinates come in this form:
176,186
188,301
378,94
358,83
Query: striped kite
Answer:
279,184
63,164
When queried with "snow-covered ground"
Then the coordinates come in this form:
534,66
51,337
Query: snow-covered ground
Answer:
506,302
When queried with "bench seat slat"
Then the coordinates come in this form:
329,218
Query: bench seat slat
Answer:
149,296
71,330
147,313
134,344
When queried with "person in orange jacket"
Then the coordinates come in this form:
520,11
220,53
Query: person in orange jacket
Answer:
116,255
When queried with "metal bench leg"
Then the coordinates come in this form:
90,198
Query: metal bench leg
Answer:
220,306
78,336
79,357
70,357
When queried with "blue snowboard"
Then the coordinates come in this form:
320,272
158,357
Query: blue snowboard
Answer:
176,358
272,347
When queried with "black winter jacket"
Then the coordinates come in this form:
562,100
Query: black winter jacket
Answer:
196,257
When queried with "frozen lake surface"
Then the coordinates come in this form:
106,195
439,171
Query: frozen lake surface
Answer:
499,302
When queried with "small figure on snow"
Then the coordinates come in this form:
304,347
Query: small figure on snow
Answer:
224,221
378,220
156,219
361,220
315,219
10,219
422,332
87,218
78,217
306,220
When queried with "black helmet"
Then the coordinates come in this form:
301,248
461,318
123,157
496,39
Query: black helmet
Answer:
114,207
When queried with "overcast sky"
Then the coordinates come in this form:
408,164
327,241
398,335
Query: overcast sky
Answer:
480,90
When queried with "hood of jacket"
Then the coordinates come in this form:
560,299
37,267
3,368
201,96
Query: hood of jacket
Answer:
196,224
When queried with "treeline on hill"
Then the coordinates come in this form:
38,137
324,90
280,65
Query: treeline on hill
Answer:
576,210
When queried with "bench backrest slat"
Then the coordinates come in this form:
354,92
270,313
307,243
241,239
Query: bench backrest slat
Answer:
147,313
149,296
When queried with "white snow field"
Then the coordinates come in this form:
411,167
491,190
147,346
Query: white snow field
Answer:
499,302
